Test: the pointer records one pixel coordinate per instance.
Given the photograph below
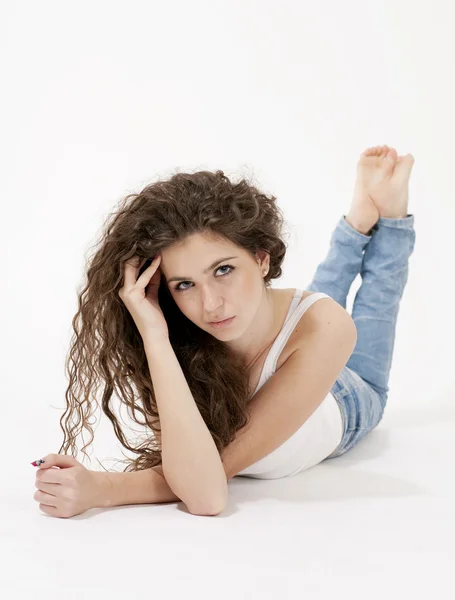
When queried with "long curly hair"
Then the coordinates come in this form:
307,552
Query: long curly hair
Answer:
106,348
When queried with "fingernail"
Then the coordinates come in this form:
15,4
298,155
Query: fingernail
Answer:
37,463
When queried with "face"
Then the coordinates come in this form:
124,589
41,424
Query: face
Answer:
207,289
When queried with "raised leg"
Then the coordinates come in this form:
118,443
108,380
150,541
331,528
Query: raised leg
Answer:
335,274
384,274
381,258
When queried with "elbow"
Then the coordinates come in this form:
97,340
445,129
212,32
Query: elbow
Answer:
206,513
209,510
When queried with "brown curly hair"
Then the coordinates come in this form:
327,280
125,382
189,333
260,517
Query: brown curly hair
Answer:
106,347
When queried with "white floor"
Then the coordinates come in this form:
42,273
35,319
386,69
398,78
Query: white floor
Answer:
377,522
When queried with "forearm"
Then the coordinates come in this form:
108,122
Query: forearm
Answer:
135,487
191,462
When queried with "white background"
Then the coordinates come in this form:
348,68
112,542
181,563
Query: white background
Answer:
101,98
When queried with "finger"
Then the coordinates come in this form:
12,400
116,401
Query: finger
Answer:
130,273
44,498
136,262
50,510
45,486
55,476
56,460
149,272
131,269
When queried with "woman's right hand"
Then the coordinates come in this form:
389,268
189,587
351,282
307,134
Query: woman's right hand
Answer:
140,297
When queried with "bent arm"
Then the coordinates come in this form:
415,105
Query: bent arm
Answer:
148,486
190,459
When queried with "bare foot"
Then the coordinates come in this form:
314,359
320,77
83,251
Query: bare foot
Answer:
391,195
380,188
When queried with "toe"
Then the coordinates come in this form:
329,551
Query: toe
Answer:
391,156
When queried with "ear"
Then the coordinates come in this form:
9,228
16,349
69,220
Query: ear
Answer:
263,259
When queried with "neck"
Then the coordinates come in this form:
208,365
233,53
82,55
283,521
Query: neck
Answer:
261,333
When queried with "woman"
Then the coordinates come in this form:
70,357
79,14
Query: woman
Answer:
181,222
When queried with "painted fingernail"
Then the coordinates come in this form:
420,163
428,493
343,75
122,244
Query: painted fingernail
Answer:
37,463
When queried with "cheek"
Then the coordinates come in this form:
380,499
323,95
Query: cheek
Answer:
249,287
188,306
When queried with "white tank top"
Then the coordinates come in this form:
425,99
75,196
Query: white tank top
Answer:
321,433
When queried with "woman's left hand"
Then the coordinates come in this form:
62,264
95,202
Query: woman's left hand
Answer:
68,490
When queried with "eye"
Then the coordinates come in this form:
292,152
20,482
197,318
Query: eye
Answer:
177,288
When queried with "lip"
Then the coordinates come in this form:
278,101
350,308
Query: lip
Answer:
224,323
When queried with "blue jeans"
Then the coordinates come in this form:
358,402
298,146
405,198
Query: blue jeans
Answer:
381,258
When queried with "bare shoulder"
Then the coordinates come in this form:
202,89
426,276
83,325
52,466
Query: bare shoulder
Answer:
324,310
324,315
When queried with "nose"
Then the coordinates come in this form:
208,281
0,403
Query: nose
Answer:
212,303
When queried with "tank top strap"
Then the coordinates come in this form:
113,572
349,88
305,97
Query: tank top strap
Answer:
295,312
294,302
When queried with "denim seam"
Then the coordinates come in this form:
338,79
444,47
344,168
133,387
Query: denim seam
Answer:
402,223
339,395
342,393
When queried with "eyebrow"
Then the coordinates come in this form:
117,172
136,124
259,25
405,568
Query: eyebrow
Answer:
209,268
